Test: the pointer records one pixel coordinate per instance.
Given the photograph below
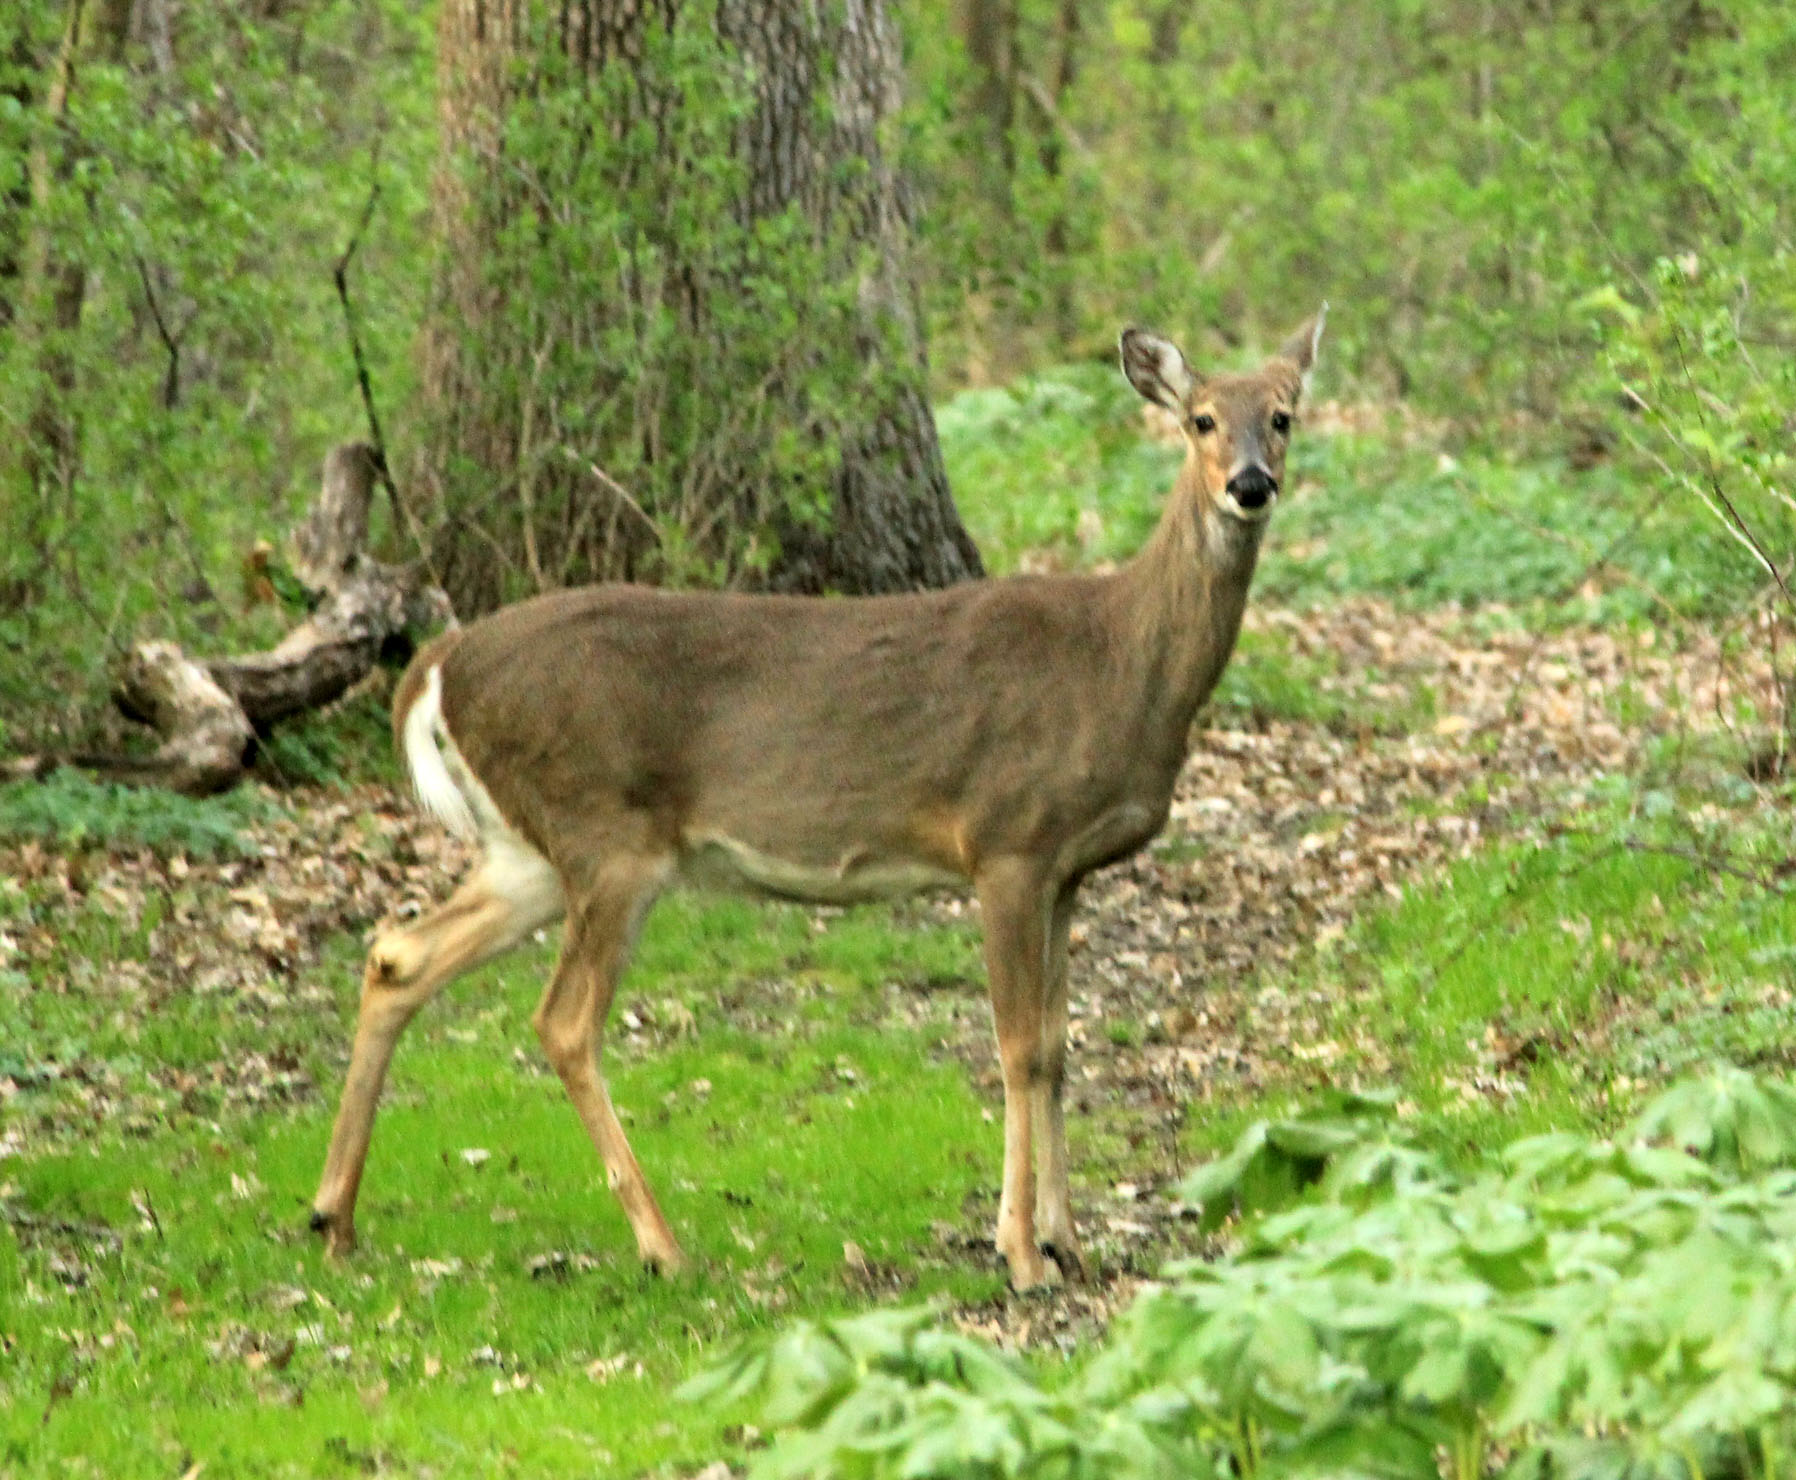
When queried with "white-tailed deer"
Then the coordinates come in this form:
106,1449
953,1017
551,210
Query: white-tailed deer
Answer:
1010,734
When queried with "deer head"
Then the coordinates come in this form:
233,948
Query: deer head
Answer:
1236,427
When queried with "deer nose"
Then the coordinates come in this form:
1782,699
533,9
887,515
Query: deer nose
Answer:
1252,488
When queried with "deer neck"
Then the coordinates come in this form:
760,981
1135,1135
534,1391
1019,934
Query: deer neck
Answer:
1183,596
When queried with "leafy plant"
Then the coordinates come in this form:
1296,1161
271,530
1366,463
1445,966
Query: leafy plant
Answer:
72,811
1579,1307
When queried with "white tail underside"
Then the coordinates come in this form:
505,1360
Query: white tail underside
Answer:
425,737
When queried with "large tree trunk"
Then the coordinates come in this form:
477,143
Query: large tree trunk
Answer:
676,335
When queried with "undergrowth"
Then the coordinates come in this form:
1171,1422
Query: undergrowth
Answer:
1575,1307
1056,466
70,811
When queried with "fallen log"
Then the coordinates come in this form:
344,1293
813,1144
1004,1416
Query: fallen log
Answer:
209,711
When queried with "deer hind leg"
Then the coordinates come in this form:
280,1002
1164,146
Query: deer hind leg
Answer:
570,1022
511,892
1016,907
1053,1204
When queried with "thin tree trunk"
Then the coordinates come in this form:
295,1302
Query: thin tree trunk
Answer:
53,283
17,203
988,31
1057,237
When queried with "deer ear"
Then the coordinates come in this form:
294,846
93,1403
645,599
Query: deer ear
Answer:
1300,349
1157,369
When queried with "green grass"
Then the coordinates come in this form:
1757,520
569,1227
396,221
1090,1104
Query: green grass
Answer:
161,1303
1057,463
1545,984
1268,680
786,1115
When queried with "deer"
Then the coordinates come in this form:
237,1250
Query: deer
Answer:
1009,735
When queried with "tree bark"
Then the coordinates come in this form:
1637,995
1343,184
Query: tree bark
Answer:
808,147
988,32
55,283
1056,238
20,93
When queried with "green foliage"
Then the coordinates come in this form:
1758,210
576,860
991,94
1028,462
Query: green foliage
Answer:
1348,1140
1735,1120
352,740
1578,1307
71,811
883,1394
1427,529
1695,336
1453,179
216,194
1055,464
1564,228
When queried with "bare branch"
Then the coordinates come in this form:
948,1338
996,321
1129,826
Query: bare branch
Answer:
171,382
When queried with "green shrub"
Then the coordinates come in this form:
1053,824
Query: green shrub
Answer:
1577,1307
351,741
71,811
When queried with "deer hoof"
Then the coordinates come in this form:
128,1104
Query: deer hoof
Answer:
664,1263
1069,1259
339,1234
1032,1272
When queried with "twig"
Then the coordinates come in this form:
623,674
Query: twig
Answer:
1746,535
1602,560
623,494
1751,539
141,1197
171,382
1771,881
340,274
1044,100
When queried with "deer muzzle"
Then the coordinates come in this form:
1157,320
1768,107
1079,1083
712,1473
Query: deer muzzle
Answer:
1252,489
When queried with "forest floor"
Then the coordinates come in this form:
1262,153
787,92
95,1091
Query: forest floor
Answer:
1518,874
1520,862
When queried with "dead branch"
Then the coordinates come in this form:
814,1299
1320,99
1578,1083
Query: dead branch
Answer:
210,711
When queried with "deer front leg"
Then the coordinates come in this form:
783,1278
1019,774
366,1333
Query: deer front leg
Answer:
1053,1204
1016,907
490,913
570,1022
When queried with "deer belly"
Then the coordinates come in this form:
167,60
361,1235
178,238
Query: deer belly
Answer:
717,861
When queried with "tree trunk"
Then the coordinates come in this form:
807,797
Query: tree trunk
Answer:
1056,237
988,31
675,334
19,93
52,284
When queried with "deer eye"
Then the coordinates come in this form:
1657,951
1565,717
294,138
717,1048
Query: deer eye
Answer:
1281,422
1204,422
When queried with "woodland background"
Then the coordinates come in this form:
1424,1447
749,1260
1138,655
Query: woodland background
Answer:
1552,228
1442,1041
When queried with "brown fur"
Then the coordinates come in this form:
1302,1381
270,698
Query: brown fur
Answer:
1014,734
